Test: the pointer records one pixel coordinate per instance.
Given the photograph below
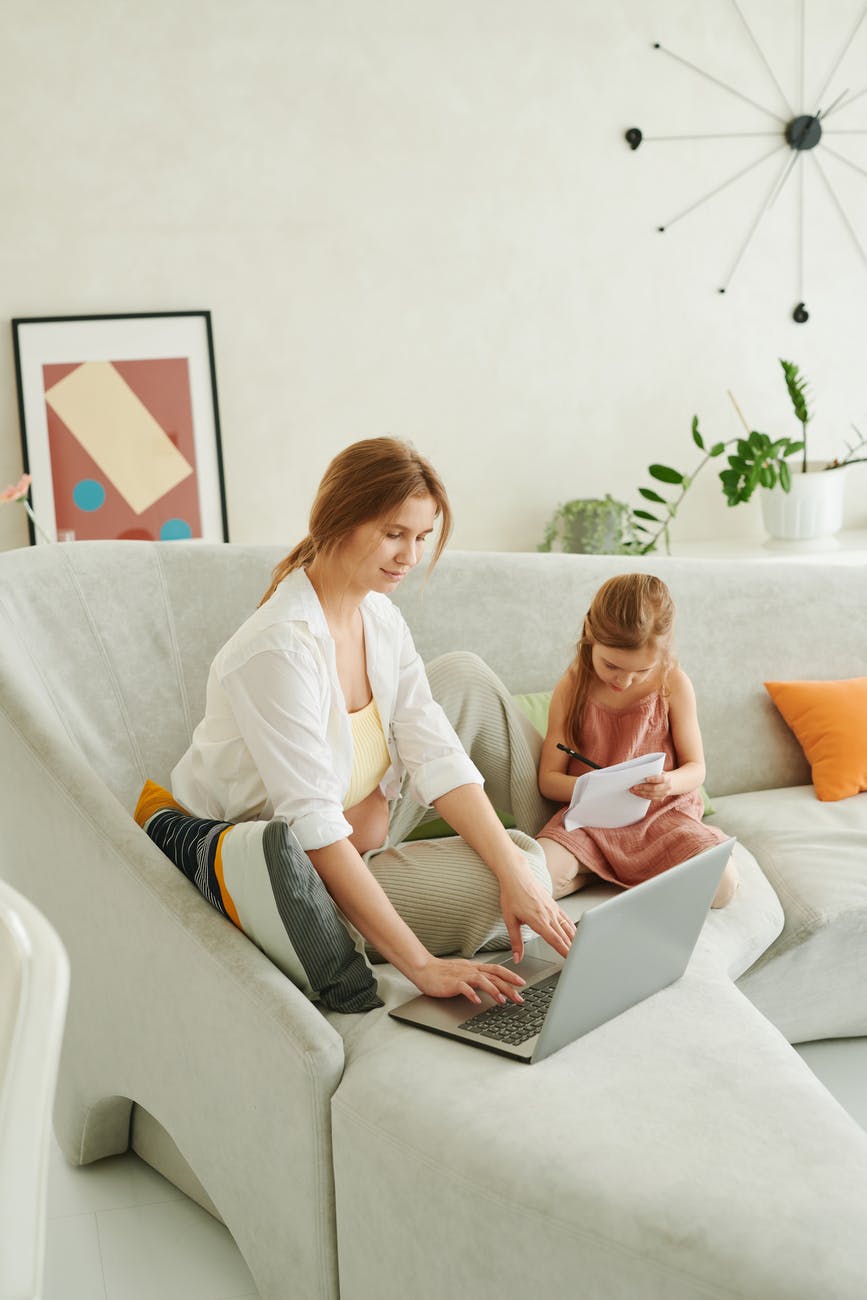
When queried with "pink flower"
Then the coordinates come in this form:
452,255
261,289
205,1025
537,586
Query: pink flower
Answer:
21,488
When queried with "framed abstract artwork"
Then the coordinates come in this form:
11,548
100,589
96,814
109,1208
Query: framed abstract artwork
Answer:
120,429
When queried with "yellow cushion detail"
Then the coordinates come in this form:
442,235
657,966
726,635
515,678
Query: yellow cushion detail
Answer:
152,798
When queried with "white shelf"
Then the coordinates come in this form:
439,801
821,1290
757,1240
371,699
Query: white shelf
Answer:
848,547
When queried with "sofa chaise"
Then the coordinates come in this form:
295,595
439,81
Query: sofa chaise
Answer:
682,1150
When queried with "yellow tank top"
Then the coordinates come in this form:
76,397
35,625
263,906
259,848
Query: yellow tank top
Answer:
370,756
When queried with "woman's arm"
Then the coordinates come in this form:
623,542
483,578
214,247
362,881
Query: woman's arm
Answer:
361,898
442,774
554,780
686,735
523,901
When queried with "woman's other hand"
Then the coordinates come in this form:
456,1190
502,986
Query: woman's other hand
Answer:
524,901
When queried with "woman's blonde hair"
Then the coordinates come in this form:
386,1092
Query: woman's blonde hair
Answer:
366,481
628,612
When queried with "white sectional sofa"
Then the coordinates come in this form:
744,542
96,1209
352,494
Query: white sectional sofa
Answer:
682,1150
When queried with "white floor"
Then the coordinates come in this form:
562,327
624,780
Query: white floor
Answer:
118,1231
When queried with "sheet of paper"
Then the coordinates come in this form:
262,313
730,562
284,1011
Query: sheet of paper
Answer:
602,798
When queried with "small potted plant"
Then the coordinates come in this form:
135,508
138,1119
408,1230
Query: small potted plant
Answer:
799,501
811,503
591,525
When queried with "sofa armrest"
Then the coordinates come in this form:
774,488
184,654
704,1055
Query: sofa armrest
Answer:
172,1007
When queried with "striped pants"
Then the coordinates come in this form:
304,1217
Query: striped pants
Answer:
441,887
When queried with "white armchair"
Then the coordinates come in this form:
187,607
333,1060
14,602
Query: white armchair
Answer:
34,985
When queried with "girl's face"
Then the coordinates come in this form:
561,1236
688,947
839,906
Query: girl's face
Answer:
378,554
626,672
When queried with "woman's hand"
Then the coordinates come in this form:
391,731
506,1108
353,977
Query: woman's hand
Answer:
654,787
524,901
448,977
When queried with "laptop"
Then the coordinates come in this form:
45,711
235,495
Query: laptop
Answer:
625,949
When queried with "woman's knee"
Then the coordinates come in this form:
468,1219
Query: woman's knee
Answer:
535,854
461,670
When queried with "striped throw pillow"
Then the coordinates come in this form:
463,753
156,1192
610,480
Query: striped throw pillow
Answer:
257,875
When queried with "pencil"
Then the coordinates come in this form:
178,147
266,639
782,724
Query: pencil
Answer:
580,757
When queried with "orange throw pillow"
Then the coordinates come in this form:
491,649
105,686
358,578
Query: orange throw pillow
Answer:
829,720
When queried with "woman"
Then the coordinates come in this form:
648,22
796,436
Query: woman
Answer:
318,706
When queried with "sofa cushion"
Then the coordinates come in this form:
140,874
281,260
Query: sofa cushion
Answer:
642,1155
257,875
830,722
811,981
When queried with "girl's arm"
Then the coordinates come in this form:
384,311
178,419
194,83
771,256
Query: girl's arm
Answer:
362,899
554,780
523,901
686,734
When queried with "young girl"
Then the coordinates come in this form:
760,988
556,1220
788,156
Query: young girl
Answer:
624,695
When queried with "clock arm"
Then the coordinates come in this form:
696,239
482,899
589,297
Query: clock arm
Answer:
763,58
842,53
752,231
848,103
730,181
716,81
839,206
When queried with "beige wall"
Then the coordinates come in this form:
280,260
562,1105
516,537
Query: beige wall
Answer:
420,217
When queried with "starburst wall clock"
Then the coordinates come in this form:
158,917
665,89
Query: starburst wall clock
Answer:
802,132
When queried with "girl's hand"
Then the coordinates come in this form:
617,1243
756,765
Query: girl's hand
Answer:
523,901
655,787
448,977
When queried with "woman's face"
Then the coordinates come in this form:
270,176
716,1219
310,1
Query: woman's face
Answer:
377,555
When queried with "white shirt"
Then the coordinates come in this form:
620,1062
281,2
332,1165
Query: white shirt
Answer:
276,740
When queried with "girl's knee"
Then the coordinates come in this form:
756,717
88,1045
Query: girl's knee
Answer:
727,887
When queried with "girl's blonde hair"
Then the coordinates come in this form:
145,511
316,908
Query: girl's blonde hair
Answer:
367,480
628,612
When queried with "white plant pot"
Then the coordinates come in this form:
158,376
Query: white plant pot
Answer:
813,508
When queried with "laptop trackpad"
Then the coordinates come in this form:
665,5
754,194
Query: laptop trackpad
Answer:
530,969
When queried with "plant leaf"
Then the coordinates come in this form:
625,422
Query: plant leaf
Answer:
645,514
797,389
665,474
650,495
696,436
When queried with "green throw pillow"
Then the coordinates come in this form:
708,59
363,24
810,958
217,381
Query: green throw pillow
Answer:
535,705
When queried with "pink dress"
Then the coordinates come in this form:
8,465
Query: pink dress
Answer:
672,829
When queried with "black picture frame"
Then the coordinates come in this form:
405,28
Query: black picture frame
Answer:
120,425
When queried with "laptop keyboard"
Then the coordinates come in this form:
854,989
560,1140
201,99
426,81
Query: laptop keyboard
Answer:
513,1024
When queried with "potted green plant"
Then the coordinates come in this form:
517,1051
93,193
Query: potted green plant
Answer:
592,525
798,502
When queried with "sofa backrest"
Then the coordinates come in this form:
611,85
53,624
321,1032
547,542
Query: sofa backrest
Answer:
739,624
106,645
